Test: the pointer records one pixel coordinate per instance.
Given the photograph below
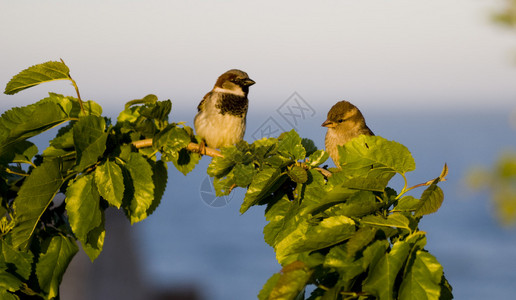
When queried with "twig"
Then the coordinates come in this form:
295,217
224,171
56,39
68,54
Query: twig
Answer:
324,172
76,88
193,147
143,143
207,151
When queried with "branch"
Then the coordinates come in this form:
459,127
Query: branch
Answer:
324,172
206,151
193,147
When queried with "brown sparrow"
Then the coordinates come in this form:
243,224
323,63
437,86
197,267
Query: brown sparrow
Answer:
344,122
220,119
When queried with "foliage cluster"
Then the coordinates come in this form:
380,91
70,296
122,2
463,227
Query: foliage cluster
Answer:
91,164
346,233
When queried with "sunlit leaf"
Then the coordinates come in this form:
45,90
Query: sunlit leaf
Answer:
160,178
19,261
269,286
145,100
431,200
20,152
45,72
394,220
90,138
35,195
423,279
139,188
307,237
318,157
290,282
290,145
83,206
297,174
263,183
381,278
407,203
53,262
377,152
110,182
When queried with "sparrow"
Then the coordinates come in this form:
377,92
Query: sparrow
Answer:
344,122
221,114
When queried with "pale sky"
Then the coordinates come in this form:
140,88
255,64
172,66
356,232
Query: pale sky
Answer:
397,54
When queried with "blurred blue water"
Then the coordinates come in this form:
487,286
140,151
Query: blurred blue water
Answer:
223,253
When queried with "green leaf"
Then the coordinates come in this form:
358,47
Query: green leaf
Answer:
290,145
374,252
358,203
431,200
20,123
282,217
90,138
20,261
307,237
34,196
149,99
423,279
289,284
269,286
139,188
309,146
265,182
5,295
407,203
95,239
53,262
32,76
185,161
317,157
170,140
9,282
110,183
347,266
394,220
160,178
362,237
297,174
378,152
20,152
83,207
244,174
380,281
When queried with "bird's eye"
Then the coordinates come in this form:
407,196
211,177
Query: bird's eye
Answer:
340,120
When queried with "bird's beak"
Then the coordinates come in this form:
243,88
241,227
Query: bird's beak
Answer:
328,124
248,82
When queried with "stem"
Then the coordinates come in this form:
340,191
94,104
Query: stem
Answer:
24,162
192,147
404,190
324,172
76,89
78,94
15,173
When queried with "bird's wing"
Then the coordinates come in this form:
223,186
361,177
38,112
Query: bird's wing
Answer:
200,107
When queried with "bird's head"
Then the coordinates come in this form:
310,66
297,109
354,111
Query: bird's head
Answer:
234,81
343,115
